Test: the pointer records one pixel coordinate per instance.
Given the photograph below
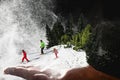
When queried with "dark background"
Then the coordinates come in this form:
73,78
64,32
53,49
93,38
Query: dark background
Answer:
108,8
104,16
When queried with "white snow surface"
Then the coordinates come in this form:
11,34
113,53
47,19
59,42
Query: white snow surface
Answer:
18,30
67,59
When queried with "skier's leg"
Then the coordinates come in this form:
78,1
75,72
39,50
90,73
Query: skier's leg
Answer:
23,59
26,59
42,50
56,55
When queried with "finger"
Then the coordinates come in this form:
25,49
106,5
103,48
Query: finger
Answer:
30,73
21,72
41,77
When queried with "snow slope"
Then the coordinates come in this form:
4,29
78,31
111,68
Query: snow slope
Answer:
68,58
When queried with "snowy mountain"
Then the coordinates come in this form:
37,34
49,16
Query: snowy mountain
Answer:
67,59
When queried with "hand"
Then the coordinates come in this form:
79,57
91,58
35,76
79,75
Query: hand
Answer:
29,73
32,73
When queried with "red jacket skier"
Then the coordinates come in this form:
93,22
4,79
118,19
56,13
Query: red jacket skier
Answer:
24,56
56,52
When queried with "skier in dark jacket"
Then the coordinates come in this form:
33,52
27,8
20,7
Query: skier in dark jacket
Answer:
42,46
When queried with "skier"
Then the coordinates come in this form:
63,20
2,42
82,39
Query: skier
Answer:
42,46
56,52
24,56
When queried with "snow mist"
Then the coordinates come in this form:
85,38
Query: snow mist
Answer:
22,25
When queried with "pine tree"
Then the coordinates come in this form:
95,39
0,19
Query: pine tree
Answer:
65,38
81,22
57,32
69,26
85,35
49,36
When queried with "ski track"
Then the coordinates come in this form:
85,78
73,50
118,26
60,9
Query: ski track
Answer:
68,59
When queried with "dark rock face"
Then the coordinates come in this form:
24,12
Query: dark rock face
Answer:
103,48
92,8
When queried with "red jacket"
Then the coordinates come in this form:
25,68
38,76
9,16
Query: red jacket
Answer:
55,51
24,53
